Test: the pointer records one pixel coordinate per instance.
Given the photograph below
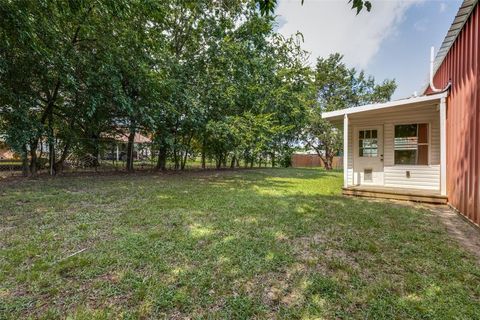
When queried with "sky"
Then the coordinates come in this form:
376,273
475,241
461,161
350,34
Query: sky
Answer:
392,41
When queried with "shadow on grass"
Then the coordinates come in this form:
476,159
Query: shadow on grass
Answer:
260,243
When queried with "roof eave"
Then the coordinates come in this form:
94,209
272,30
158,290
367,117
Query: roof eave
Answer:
334,115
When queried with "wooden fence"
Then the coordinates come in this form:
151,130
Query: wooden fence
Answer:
313,160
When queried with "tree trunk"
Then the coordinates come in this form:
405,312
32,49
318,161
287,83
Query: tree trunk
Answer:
51,146
96,152
59,164
25,169
184,160
33,159
175,159
203,154
51,157
273,159
130,147
218,160
232,163
329,162
162,157
224,160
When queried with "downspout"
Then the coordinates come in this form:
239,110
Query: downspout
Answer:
432,86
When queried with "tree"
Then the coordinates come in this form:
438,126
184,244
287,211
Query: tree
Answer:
339,87
189,73
56,43
268,6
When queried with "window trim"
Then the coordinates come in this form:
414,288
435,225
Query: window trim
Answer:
358,139
429,143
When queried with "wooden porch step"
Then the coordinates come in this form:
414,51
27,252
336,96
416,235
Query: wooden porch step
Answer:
425,196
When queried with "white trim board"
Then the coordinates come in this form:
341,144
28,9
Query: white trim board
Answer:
391,104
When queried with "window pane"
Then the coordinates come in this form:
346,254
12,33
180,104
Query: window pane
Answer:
423,154
367,143
406,130
405,156
406,143
423,133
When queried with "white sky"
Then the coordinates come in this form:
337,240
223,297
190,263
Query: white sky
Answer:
392,41
331,26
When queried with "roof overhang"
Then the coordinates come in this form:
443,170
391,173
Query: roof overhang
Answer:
339,114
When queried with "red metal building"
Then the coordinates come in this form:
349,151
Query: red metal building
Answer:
458,62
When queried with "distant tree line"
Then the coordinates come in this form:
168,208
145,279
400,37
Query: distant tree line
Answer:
202,78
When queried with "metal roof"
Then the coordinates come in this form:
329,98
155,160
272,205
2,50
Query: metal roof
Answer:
338,114
457,25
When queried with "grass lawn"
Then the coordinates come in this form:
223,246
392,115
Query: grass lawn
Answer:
269,243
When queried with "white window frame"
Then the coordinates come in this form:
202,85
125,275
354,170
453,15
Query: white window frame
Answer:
429,143
359,139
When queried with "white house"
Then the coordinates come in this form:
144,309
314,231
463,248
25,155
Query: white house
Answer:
395,149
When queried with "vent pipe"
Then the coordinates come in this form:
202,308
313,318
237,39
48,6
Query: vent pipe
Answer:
432,86
432,59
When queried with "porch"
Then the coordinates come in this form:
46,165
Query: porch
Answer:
395,150
394,193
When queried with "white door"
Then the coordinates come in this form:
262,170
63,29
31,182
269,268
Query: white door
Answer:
368,156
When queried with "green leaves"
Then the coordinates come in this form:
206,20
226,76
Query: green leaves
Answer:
188,73
267,7
360,4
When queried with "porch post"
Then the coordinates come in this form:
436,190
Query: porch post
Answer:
443,147
345,151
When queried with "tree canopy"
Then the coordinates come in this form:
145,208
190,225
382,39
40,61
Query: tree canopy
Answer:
192,75
201,78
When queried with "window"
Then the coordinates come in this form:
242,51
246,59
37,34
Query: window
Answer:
367,143
411,144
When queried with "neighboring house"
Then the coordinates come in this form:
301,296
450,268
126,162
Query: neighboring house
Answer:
5,152
425,148
119,142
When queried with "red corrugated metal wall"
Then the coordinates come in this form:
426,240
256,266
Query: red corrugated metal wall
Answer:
462,67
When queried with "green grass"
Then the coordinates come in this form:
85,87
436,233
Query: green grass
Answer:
269,243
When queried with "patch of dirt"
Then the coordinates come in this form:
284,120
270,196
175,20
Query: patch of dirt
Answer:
466,234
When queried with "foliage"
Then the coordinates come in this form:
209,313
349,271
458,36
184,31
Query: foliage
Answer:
339,87
268,6
75,72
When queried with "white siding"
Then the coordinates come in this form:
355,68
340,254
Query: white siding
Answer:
422,177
